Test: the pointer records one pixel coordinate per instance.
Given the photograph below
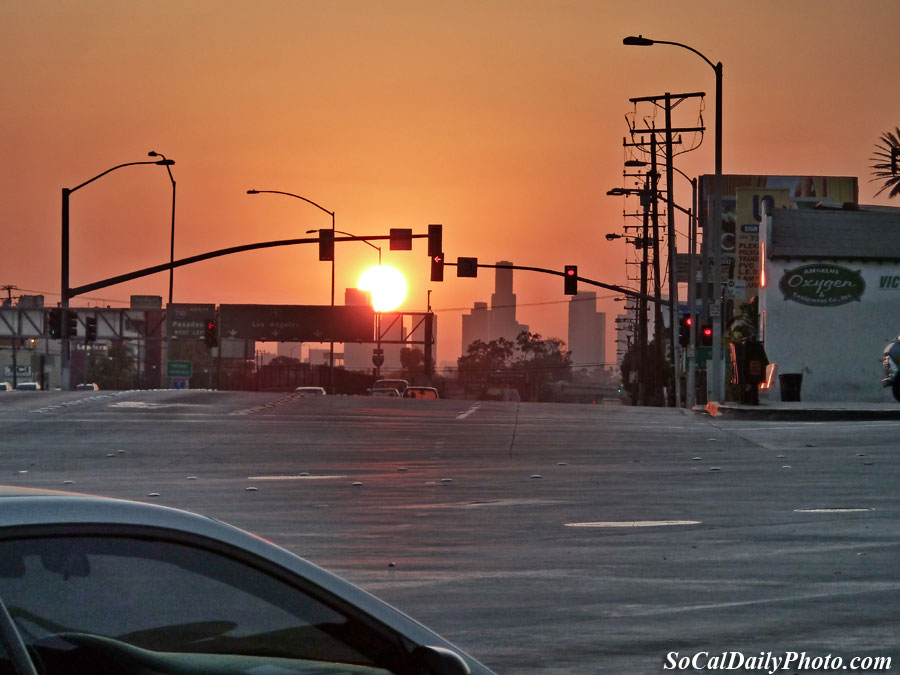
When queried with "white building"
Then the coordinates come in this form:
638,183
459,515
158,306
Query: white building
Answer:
830,298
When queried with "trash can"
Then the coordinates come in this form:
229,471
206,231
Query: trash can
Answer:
790,384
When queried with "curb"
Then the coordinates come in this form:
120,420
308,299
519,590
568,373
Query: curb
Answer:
726,411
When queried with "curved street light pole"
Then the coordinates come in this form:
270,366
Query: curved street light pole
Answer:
365,241
64,365
153,153
715,380
330,213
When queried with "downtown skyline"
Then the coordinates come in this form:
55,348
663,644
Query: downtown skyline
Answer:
503,121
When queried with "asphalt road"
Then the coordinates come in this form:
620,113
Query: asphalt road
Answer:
541,538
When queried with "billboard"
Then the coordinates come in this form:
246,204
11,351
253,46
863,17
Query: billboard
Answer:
801,191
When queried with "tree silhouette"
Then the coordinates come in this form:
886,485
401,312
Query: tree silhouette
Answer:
886,163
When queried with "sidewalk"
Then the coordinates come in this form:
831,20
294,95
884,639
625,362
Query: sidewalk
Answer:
800,411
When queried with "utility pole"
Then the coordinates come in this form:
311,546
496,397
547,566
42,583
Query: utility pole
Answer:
642,304
673,275
669,101
657,288
9,289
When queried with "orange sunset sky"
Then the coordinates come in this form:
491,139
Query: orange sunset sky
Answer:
502,120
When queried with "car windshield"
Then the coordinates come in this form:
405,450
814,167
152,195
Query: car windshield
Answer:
129,599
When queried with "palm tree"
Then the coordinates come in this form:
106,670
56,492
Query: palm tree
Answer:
886,163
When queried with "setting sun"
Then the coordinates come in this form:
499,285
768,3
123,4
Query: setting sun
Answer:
387,286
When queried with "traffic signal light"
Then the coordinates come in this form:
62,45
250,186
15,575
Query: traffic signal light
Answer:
571,280
71,324
54,324
437,267
326,244
684,331
211,333
706,335
90,329
401,239
435,241
467,267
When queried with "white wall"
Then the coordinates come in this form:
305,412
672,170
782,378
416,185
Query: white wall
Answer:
838,349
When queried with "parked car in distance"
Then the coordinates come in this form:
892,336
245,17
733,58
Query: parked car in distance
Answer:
399,385
385,392
421,392
28,386
310,391
87,386
5,386
75,598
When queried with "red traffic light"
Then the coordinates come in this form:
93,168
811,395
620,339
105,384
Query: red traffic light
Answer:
210,335
571,280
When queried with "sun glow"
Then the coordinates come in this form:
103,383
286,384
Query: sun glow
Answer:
387,286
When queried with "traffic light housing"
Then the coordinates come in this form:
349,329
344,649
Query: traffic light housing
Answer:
571,280
467,267
437,267
71,324
90,329
326,244
211,333
54,324
684,330
401,239
706,335
435,241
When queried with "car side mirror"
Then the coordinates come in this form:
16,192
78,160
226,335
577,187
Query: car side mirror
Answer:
431,660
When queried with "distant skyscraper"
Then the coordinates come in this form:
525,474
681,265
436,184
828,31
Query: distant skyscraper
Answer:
500,320
587,331
476,325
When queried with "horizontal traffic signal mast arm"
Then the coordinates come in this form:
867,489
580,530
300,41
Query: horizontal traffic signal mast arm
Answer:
589,282
147,271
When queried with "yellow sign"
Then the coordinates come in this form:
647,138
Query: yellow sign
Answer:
748,220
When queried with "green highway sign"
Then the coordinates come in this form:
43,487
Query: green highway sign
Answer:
179,368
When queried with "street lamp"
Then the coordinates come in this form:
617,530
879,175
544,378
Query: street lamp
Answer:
716,392
330,213
167,164
365,241
64,266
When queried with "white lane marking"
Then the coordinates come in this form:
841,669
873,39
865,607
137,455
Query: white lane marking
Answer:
636,523
832,510
464,415
293,477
